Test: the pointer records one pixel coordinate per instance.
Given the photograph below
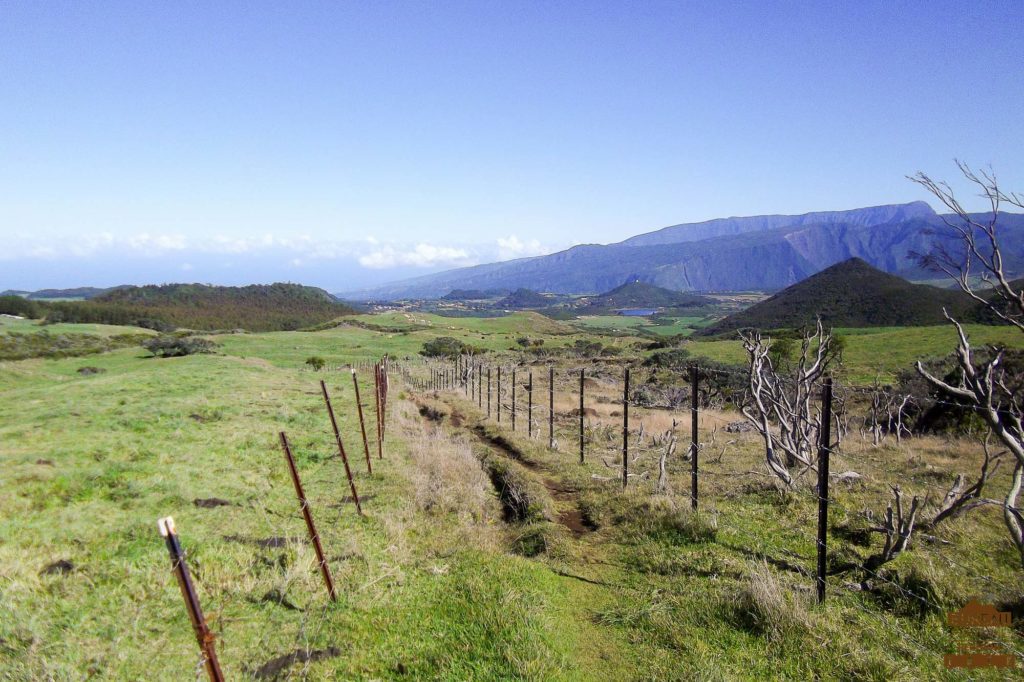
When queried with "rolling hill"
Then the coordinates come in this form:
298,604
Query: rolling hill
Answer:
850,294
763,253
642,295
523,299
260,307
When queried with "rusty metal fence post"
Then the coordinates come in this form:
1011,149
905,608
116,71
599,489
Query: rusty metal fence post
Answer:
341,449
204,637
362,423
307,515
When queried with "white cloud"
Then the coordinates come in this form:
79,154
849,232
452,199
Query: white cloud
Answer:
513,247
421,256
296,249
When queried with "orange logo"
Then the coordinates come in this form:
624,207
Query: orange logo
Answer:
977,615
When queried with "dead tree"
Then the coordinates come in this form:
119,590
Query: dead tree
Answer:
983,383
670,449
958,500
898,529
887,414
781,406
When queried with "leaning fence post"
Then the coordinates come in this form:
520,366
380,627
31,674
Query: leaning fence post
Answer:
581,416
341,449
625,429
204,637
694,446
314,537
362,424
824,446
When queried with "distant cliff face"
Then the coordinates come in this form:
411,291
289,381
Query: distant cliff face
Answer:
732,254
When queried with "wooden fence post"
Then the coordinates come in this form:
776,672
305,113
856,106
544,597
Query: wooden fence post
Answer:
307,515
824,447
488,392
498,396
204,637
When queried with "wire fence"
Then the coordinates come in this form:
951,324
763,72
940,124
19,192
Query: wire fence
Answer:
585,412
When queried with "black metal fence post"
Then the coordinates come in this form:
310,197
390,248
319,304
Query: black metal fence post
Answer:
694,445
529,407
551,407
625,429
581,416
824,447
513,400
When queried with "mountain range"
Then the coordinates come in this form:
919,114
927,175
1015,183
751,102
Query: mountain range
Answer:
758,253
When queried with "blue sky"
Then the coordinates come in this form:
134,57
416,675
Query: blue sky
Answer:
345,144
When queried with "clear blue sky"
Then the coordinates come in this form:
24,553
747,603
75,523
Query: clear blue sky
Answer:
342,144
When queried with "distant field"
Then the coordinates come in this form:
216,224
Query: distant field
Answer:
621,323
522,323
881,351
33,326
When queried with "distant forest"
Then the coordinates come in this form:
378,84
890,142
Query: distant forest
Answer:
273,307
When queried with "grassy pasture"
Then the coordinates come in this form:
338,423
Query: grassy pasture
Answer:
434,583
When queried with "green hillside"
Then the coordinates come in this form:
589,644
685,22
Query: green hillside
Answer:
851,294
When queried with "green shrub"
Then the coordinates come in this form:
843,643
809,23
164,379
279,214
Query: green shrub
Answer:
673,358
172,346
444,347
316,362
